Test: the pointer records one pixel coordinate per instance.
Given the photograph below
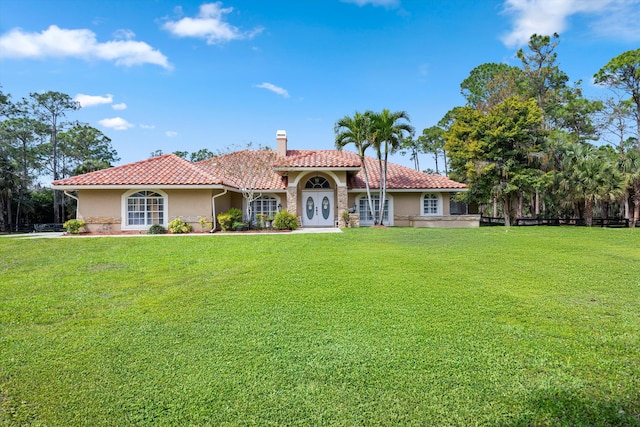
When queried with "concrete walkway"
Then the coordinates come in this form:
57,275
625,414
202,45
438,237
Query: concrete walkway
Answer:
54,235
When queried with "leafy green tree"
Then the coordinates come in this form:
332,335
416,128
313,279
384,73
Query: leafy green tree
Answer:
86,149
623,73
9,181
412,147
356,130
50,107
182,154
490,84
616,117
491,152
543,80
21,137
432,142
202,154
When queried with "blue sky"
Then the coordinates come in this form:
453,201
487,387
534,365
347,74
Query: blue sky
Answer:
185,75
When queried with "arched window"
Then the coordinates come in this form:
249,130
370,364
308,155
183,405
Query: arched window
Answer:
431,204
317,182
145,208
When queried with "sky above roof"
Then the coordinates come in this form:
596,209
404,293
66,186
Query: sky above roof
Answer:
185,75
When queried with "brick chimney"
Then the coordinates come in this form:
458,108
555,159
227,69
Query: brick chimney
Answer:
281,139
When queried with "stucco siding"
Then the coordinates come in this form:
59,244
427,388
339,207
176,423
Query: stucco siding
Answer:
190,205
100,209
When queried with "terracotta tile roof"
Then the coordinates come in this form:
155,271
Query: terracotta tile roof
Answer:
247,168
402,178
254,169
162,170
319,159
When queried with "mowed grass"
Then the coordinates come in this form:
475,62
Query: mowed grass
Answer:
492,326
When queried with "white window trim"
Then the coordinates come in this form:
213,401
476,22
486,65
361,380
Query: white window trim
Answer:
274,196
125,216
389,197
439,212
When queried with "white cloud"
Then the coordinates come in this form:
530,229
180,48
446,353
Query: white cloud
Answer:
124,34
116,123
383,3
120,106
91,100
620,21
275,89
61,43
171,133
546,17
209,25
143,126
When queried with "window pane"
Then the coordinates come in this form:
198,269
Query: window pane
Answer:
365,212
145,208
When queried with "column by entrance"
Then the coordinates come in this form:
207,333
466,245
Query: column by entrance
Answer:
318,209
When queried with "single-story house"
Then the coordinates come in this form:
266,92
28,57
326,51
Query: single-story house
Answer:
316,185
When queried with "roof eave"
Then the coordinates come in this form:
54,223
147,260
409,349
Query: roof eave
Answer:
315,168
411,190
145,186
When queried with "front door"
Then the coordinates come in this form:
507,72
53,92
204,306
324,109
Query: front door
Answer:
318,208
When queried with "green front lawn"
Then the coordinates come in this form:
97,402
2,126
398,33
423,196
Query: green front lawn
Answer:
491,326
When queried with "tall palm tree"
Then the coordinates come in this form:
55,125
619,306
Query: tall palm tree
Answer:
356,130
387,134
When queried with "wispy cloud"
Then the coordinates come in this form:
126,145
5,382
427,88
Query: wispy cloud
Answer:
210,25
116,123
275,89
143,126
91,100
614,18
124,34
390,4
171,134
120,106
56,42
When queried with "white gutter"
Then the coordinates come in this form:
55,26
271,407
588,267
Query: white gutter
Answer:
77,202
213,208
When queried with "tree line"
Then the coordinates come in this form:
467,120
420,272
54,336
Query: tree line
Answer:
525,143
37,143
528,143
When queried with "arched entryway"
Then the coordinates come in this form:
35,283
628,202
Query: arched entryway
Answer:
318,200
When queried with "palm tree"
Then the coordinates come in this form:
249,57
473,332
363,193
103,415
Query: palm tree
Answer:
387,134
589,176
631,171
356,130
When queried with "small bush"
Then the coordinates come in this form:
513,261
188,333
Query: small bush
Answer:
205,223
156,229
236,214
261,220
226,222
239,225
73,226
346,219
229,219
285,221
179,226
